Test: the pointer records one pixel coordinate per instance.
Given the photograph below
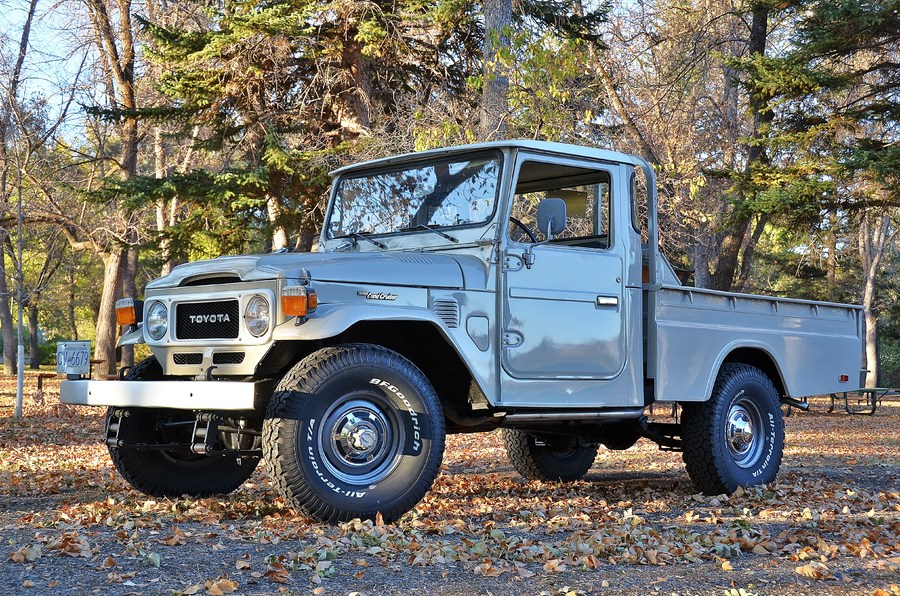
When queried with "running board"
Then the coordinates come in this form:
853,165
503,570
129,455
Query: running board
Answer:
555,416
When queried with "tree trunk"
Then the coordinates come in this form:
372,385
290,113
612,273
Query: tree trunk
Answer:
870,324
875,235
831,268
115,42
729,249
7,327
105,348
279,233
733,236
743,280
33,329
355,115
70,310
494,106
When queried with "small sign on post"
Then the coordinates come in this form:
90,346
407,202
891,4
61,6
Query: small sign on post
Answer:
73,358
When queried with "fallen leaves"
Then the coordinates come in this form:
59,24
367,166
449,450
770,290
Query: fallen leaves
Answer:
220,587
480,521
242,564
815,570
26,554
71,544
277,573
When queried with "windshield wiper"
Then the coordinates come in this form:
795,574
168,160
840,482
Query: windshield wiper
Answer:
359,236
430,229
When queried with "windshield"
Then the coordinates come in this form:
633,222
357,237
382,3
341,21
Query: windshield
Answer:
442,194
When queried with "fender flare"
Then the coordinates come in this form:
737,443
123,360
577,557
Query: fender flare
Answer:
733,346
332,320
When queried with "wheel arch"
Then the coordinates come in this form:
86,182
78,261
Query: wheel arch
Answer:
453,381
405,330
758,356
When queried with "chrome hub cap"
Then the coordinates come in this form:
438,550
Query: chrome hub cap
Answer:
359,442
742,433
357,437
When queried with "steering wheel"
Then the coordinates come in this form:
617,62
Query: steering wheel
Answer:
524,228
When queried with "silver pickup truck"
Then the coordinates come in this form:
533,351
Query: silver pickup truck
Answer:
499,285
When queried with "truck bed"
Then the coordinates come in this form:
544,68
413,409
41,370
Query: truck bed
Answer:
816,345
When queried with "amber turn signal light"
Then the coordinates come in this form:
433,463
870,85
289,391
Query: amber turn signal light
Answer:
129,311
298,301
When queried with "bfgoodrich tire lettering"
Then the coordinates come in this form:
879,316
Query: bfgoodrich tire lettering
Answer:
354,431
737,437
170,473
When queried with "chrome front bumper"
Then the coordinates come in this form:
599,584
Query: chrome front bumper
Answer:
178,395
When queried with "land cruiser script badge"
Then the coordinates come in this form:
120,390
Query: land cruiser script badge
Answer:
376,295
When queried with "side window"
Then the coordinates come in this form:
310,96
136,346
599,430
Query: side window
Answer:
585,192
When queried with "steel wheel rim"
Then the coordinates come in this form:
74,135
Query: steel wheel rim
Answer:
360,439
744,432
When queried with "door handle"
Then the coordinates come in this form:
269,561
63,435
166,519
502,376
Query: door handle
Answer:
607,301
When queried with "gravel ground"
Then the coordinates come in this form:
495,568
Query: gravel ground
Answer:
830,525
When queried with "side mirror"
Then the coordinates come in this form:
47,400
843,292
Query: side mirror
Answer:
551,217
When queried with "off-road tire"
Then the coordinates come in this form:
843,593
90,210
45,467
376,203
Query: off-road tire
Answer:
353,431
170,474
555,463
718,454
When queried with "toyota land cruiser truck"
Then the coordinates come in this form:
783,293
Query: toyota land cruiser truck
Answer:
497,285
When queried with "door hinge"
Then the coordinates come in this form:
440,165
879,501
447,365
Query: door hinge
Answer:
512,339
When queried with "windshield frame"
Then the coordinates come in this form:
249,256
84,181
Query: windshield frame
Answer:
492,154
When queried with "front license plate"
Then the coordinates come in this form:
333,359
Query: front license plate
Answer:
73,357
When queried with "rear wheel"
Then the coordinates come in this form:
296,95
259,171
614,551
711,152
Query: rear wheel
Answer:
553,460
176,472
737,437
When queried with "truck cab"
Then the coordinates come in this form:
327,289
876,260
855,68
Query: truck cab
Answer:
514,285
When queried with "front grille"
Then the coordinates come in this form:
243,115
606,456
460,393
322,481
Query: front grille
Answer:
228,357
182,359
207,320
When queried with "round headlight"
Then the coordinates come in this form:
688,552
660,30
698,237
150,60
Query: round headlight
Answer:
256,314
157,320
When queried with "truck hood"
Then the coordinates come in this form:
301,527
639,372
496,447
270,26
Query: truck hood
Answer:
383,268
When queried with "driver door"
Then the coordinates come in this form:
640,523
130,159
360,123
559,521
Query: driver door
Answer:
563,316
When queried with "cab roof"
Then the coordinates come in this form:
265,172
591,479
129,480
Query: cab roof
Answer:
565,149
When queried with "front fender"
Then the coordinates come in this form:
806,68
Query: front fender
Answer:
333,319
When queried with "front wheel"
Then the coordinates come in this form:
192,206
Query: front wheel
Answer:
737,437
354,431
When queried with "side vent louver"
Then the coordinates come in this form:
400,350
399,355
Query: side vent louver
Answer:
447,309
